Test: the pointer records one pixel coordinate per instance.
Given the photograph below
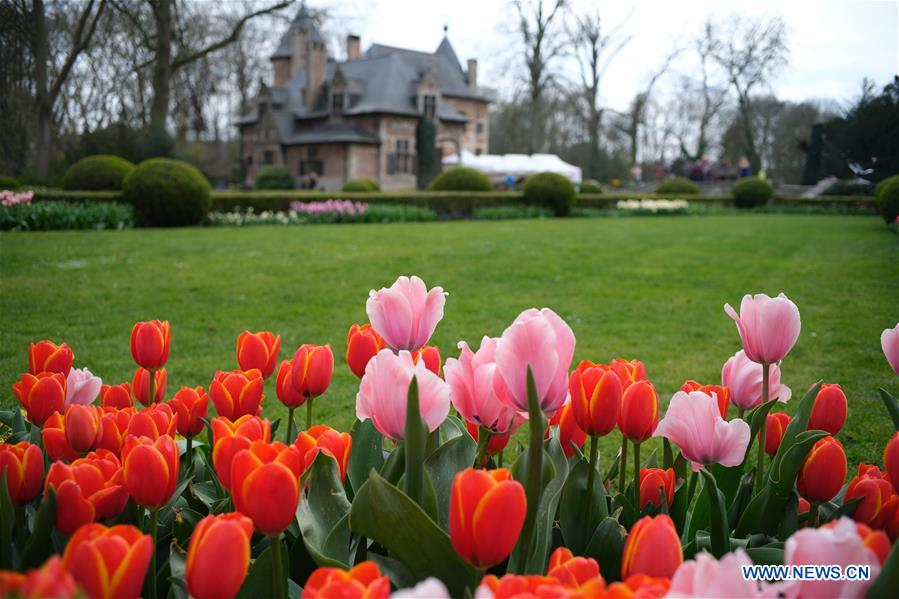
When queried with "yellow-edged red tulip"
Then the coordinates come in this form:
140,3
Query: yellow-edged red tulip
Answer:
652,548
313,366
150,343
569,432
720,393
190,406
23,464
579,575
89,489
829,410
362,344
430,355
151,469
869,484
823,471
50,580
284,387
364,581
775,428
46,356
153,422
114,428
230,437
639,411
116,396
259,351
487,511
653,479
595,398
41,395
218,556
140,386
109,563
237,393
265,485
628,371
68,436
331,442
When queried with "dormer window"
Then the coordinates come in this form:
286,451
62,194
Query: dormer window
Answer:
429,106
337,103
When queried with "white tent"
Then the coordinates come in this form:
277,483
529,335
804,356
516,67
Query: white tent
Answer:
501,166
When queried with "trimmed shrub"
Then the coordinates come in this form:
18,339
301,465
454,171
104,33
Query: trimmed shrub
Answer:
361,185
677,185
102,172
461,178
751,192
513,212
887,195
590,186
274,176
551,190
167,193
9,183
56,216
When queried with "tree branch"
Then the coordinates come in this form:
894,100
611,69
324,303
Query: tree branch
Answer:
80,43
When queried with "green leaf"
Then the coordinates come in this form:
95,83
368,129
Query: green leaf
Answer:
393,467
798,424
416,438
718,515
667,454
453,427
206,492
179,490
322,513
891,403
886,583
398,574
184,522
7,518
260,580
367,454
40,543
830,511
606,546
384,514
549,505
756,417
452,457
576,527
727,480
177,559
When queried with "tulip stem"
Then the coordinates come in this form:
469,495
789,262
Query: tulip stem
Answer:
760,467
499,460
189,454
484,435
150,583
151,398
308,413
622,465
740,413
637,477
278,567
591,476
691,488
813,514
290,437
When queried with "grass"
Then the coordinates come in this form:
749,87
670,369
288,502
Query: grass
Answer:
650,288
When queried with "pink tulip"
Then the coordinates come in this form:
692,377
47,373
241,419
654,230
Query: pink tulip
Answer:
889,341
768,326
384,390
472,388
743,378
840,545
406,314
542,340
704,576
693,422
82,387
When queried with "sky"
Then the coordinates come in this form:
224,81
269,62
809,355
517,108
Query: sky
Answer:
833,44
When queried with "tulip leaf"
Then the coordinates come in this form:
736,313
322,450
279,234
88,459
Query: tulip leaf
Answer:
718,515
40,543
392,469
678,509
606,546
830,511
891,403
452,457
206,492
367,452
398,574
742,498
299,563
7,518
415,440
546,511
383,513
185,520
576,526
886,583
798,424
322,512
259,581
667,454
768,556
453,427
177,559
756,417
728,480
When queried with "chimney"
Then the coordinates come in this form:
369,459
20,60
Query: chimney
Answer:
315,72
472,73
352,47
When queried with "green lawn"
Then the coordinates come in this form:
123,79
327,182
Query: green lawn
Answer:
650,288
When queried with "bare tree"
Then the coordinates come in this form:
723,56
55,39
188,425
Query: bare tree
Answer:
594,50
751,52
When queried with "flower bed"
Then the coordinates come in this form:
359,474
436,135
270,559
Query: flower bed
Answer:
155,494
330,211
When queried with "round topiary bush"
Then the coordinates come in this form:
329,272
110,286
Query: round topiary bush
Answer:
590,186
102,172
887,196
274,176
551,190
677,185
361,185
461,178
751,192
9,183
167,193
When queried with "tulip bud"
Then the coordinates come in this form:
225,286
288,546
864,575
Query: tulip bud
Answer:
23,464
639,411
487,511
87,490
569,431
628,371
259,351
430,355
189,407
41,395
768,326
829,411
140,386
50,580
109,562
218,556
889,342
891,460
595,398
153,422
150,344
53,434
875,540
875,491
776,425
577,574
653,479
116,396
237,393
313,366
331,442
151,469
363,580
82,426
114,425
823,471
652,548
406,313
720,393
284,387
46,356
265,485
228,438
362,344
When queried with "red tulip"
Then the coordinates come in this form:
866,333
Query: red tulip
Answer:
829,411
259,351
628,371
497,442
487,510
823,471
23,464
50,580
569,431
364,581
284,387
580,575
875,491
776,427
802,507
653,479
46,356
313,366
362,344
41,395
70,435
114,425
237,393
150,343
219,556
595,398
430,354
721,394
875,540
90,489
324,438
189,406
151,469
639,411
109,563
265,485
652,548
891,460
228,438
116,396
140,386
153,422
